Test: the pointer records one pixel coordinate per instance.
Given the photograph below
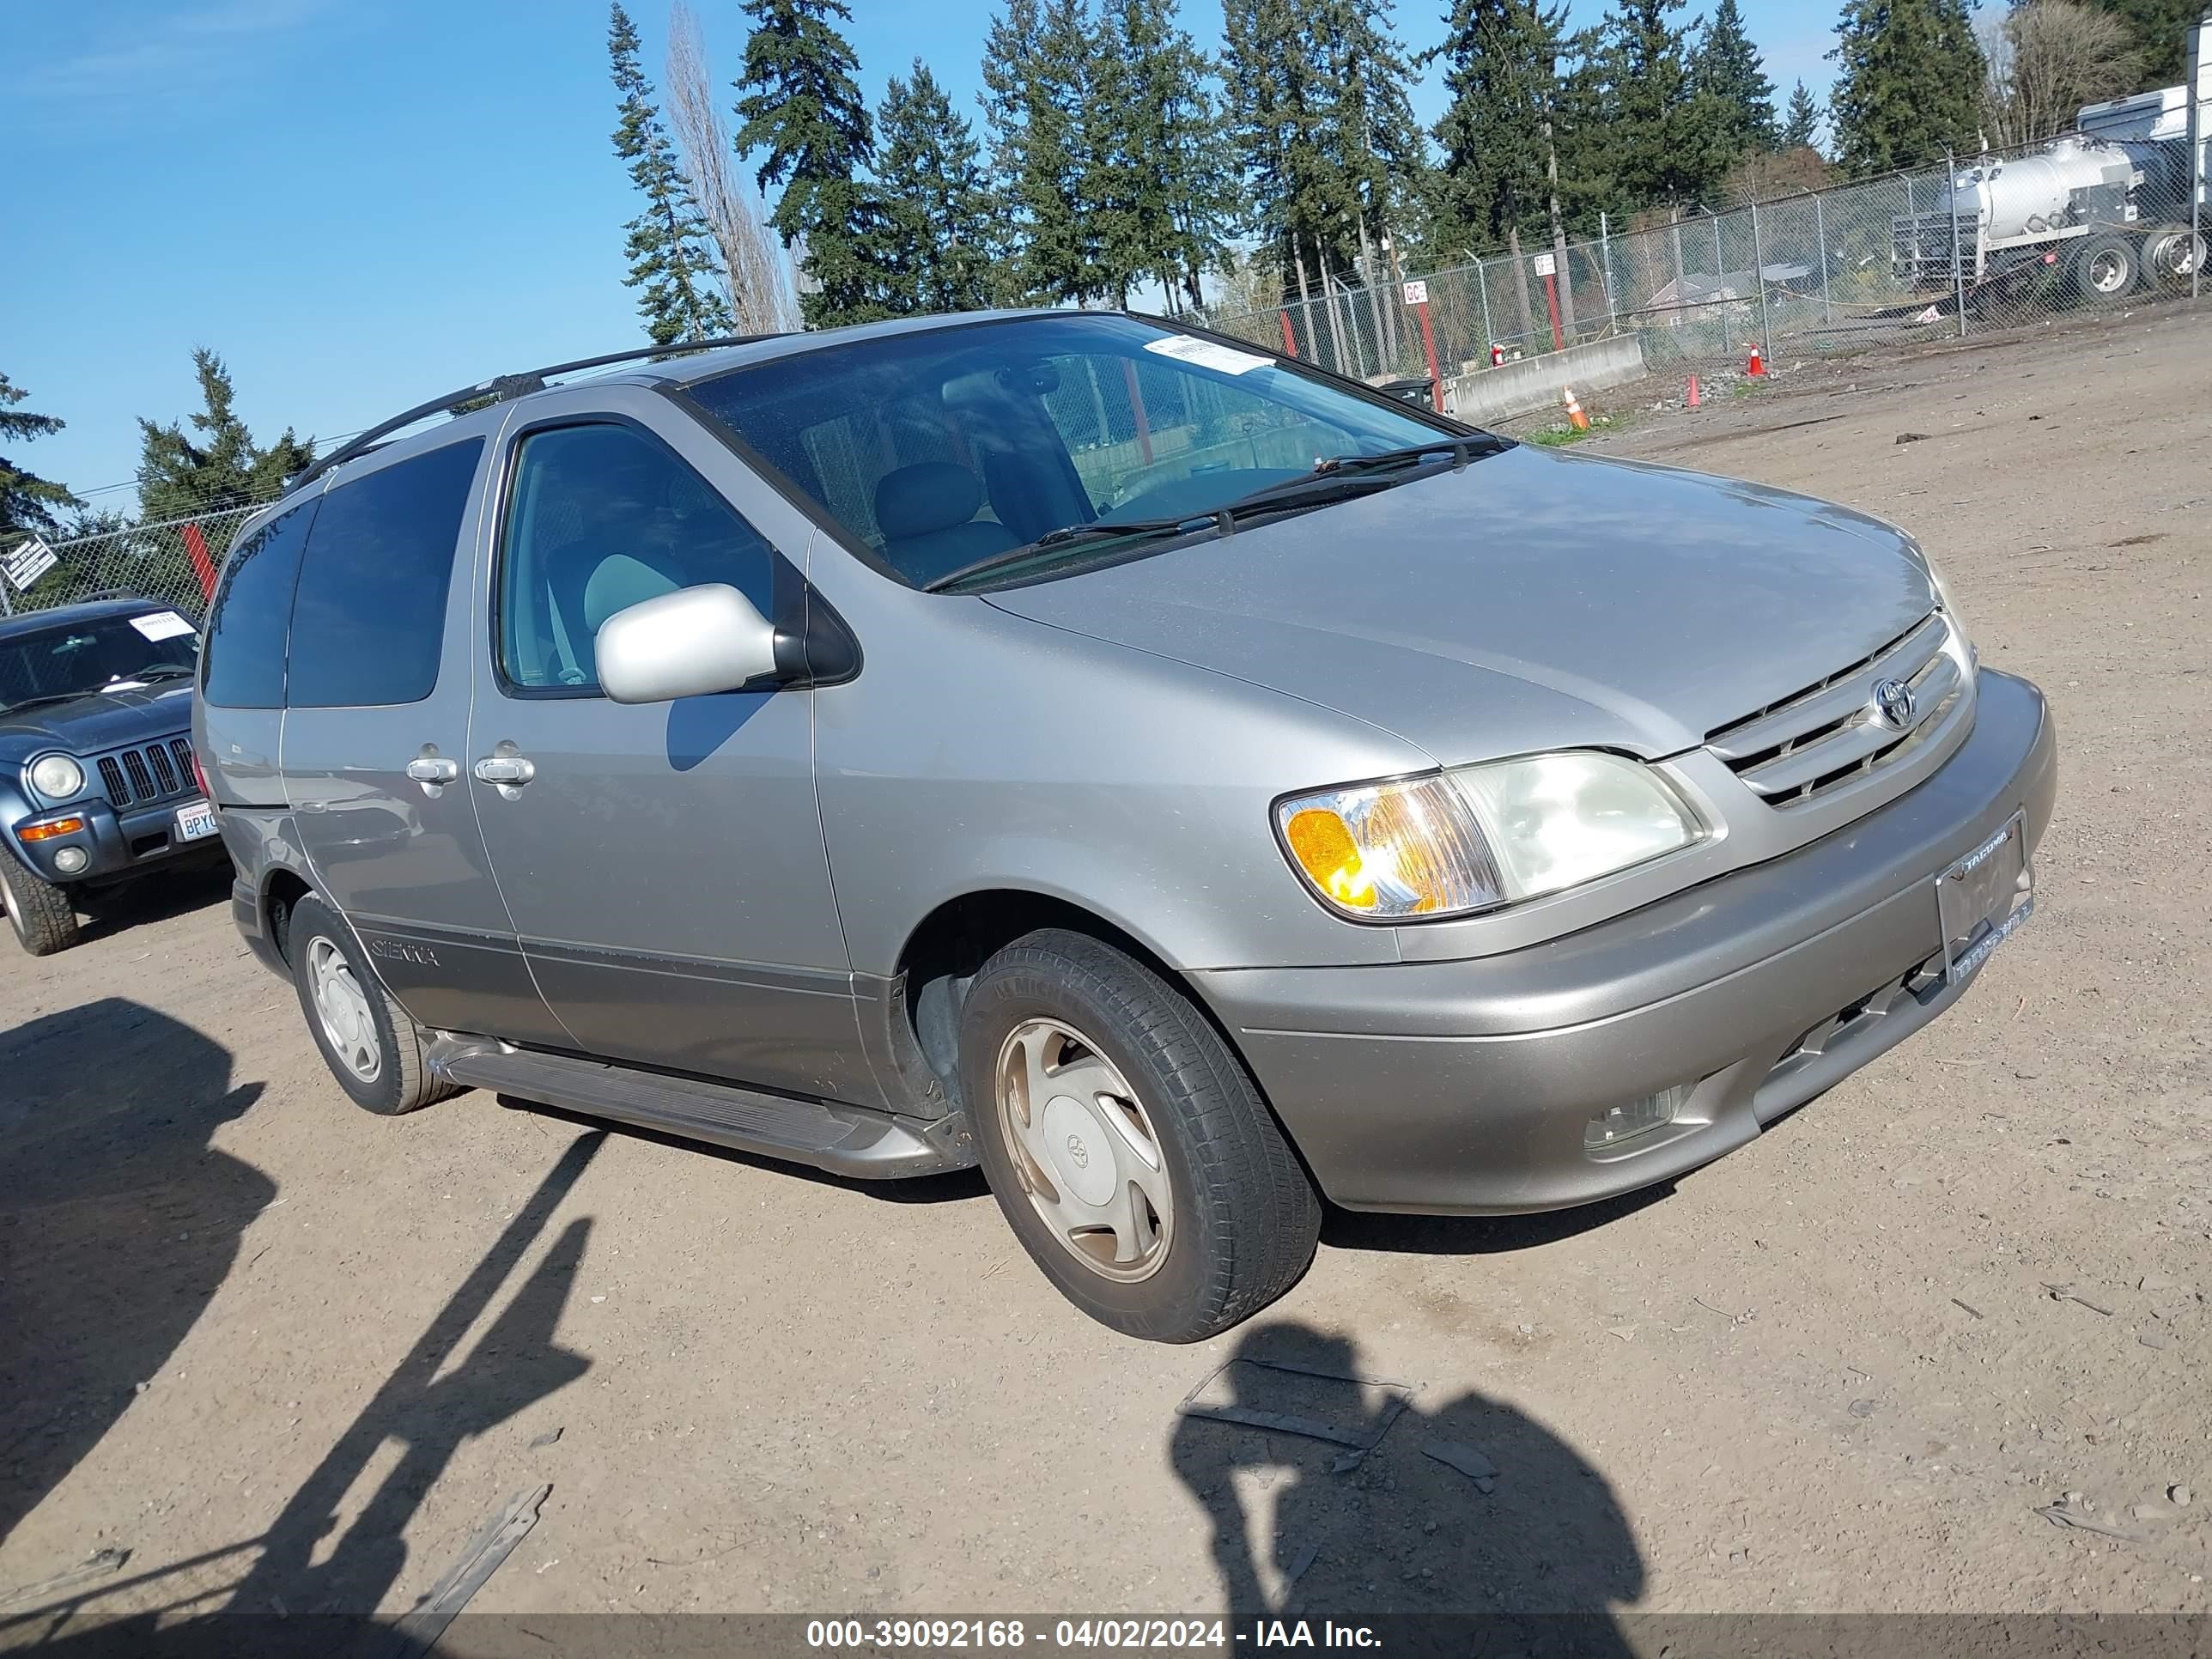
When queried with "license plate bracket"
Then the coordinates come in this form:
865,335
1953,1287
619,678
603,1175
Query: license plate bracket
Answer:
196,821
1983,899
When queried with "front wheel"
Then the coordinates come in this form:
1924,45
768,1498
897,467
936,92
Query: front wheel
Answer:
2105,270
1126,1144
373,1048
42,915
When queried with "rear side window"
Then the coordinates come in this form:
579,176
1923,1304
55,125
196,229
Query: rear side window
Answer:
243,652
368,621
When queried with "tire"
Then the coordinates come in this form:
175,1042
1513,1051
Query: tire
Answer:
323,949
2105,270
43,915
2170,258
1242,1216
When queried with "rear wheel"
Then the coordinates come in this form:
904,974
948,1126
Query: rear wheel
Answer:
1125,1143
42,915
2105,270
2171,257
373,1048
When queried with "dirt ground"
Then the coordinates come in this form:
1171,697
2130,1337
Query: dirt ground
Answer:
289,1355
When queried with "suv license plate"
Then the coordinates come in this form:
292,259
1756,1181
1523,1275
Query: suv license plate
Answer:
196,822
1982,898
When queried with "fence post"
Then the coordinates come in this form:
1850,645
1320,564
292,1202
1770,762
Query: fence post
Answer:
1759,275
1820,230
2200,40
1605,259
7,604
1958,266
1482,288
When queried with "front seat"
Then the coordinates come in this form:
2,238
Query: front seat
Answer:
927,515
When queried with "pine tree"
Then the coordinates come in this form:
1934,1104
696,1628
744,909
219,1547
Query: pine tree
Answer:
671,253
1727,68
181,476
1669,138
1801,126
1157,182
932,173
1501,70
27,502
2160,28
1379,146
1037,79
802,109
1909,83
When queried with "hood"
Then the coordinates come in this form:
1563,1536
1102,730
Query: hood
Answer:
98,721
1534,600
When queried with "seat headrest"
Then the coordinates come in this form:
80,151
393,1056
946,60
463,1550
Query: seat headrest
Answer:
927,497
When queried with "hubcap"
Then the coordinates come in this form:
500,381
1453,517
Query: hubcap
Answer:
1084,1148
2106,272
343,1008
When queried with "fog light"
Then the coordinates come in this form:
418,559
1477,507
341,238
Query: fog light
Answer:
70,859
1639,1117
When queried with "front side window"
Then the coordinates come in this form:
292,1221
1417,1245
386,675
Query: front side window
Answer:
938,449
368,621
601,517
107,654
252,613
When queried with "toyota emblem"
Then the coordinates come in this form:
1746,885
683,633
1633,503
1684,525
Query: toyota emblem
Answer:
1078,1152
1892,699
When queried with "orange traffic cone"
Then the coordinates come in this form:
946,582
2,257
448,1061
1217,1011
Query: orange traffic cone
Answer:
1758,363
1691,401
1576,418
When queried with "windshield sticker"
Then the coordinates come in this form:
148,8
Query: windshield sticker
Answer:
162,625
1204,354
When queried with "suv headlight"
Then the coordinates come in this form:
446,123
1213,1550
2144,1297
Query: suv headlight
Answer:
57,776
1477,837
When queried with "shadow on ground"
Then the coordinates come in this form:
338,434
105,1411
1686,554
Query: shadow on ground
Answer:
1511,1521
119,1222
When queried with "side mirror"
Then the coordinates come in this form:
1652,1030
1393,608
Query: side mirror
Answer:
690,643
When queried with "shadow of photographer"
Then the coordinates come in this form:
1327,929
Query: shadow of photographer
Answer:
1469,1507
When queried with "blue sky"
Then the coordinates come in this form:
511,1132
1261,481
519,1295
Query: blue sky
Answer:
361,206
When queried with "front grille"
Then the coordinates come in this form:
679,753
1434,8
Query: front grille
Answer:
1833,733
157,771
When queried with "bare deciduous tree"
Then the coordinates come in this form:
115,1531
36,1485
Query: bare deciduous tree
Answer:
2046,59
753,264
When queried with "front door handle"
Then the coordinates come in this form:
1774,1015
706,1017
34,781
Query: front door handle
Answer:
432,770
505,769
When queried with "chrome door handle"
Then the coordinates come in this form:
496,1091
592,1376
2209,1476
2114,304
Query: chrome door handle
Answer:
431,769
505,769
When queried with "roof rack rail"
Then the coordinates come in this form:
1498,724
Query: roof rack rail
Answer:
498,389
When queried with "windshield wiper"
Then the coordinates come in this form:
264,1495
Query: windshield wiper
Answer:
42,700
160,670
1068,534
1340,477
1462,451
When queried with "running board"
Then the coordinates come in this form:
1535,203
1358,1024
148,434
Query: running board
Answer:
846,1140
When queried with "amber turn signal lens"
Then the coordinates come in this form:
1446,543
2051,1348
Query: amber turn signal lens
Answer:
48,832
1330,857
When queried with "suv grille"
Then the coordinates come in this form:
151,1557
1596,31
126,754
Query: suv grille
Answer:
1833,733
152,772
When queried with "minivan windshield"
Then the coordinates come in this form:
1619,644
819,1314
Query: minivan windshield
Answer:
1022,448
105,653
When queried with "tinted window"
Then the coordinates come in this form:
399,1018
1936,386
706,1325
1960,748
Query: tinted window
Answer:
104,653
251,611
370,616
601,517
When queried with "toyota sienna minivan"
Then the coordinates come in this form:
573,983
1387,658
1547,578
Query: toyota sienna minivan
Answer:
1187,784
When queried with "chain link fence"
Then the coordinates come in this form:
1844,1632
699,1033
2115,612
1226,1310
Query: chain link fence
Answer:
174,562
2004,240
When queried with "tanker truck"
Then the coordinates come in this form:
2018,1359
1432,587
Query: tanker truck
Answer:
2091,217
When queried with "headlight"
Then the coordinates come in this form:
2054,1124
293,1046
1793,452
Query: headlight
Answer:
57,776
1481,837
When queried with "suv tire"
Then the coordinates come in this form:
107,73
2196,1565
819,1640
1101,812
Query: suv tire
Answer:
1153,1187
373,1048
42,915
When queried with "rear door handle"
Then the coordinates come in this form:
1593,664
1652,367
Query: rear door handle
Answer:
431,769
506,769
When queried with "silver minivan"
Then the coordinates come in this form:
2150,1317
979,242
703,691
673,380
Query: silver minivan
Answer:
1186,784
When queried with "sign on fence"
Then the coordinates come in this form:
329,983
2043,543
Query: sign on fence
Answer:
1547,264
1417,294
30,560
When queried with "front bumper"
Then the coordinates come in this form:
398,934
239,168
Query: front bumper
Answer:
1466,1087
115,844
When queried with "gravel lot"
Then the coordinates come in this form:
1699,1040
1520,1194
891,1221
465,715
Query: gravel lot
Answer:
289,1355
